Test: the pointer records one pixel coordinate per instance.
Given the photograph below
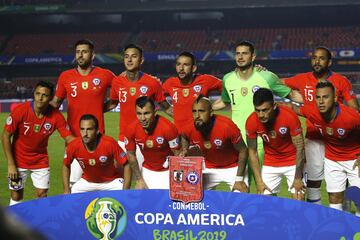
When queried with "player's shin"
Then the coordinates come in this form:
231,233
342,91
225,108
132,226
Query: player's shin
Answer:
314,195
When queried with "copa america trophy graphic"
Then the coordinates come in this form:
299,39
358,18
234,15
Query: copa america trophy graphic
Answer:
106,219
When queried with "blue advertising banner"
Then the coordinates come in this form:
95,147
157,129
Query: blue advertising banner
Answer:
150,214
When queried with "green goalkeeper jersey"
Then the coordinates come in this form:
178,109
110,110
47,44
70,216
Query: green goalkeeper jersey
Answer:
239,93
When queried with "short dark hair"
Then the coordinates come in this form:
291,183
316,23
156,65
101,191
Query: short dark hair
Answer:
90,117
246,44
189,55
46,84
142,101
132,45
85,42
328,52
325,85
263,95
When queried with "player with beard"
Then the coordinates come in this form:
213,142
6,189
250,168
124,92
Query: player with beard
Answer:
240,85
305,83
157,138
280,129
339,127
187,86
85,88
220,142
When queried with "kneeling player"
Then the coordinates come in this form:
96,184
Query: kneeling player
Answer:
281,132
96,154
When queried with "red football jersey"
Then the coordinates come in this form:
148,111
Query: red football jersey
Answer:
278,146
341,136
98,166
31,134
183,96
85,95
156,146
305,83
126,92
218,147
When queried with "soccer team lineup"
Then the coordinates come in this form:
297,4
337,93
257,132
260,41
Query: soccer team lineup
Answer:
250,142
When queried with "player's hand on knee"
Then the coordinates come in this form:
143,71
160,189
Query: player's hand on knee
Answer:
12,172
261,187
300,189
240,187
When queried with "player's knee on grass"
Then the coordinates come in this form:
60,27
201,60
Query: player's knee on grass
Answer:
41,193
17,195
336,198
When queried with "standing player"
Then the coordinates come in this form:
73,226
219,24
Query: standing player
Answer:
240,85
127,87
187,86
85,88
30,126
157,138
305,83
96,154
221,144
280,129
339,126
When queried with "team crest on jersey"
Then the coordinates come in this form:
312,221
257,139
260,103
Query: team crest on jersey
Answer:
341,131
272,134
185,92
96,81
244,91
85,85
160,140
92,162
126,141
217,142
197,88
207,144
47,126
9,120
103,159
132,91
329,131
283,130
37,128
255,88
144,89
149,143
192,178
178,175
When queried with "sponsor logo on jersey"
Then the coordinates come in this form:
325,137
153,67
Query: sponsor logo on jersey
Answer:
47,126
192,178
244,91
218,142
103,159
185,92
197,88
85,85
160,140
96,81
92,162
178,175
105,218
143,89
329,131
341,131
37,128
255,88
9,120
283,130
207,144
132,91
149,143
272,134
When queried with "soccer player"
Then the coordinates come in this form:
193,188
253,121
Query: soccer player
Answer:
25,139
157,138
280,129
97,155
240,85
187,86
130,85
220,142
339,127
85,88
305,83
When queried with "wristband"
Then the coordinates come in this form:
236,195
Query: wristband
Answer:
239,178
